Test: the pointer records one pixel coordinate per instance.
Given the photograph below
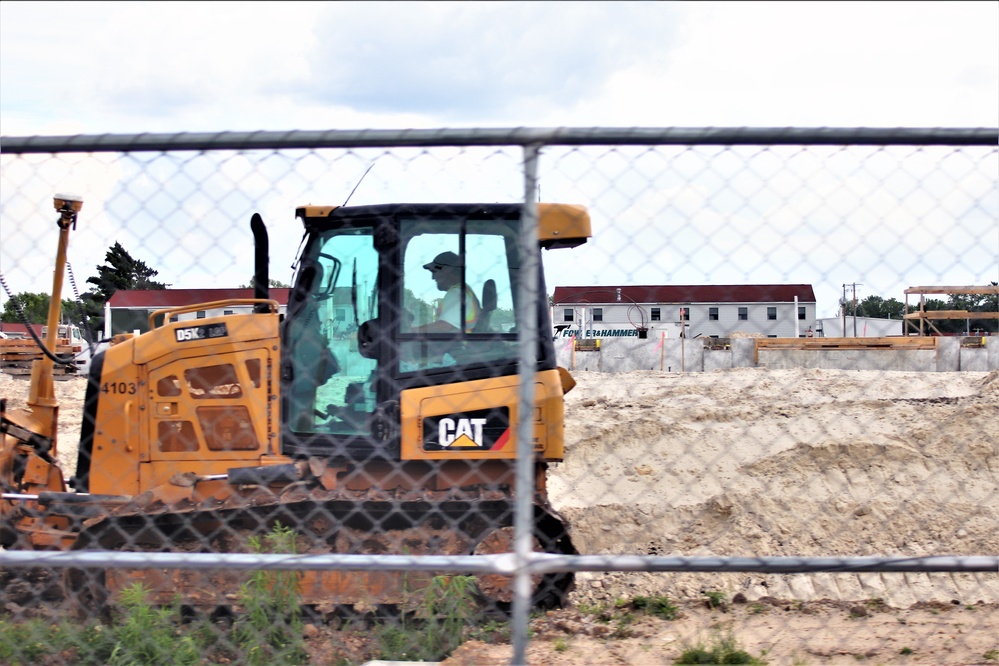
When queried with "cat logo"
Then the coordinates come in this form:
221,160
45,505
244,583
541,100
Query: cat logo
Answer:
460,433
479,430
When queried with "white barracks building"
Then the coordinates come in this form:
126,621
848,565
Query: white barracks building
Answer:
716,311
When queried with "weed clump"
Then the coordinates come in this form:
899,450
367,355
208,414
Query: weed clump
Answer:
721,650
658,606
715,599
270,631
148,635
449,605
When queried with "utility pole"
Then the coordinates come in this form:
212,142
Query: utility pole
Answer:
855,285
842,309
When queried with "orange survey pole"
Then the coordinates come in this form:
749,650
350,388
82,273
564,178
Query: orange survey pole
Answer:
41,394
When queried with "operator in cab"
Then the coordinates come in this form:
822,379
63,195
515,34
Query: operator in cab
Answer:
446,272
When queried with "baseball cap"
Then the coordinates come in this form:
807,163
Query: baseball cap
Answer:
443,259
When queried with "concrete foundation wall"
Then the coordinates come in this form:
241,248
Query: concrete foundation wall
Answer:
672,355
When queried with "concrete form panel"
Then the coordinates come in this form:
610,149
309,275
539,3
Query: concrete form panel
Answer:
672,360
974,360
948,354
911,360
693,356
627,354
743,353
716,359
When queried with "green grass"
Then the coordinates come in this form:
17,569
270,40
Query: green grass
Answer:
448,608
721,650
591,609
270,631
140,634
148,635
715,599
490,631
659,606
26,643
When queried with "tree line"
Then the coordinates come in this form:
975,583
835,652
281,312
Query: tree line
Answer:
120,271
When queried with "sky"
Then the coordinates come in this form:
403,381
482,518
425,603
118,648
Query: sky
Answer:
95,67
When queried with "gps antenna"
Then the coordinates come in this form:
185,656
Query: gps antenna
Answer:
359,183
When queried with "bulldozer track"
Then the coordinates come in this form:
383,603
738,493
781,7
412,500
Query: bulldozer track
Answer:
455,522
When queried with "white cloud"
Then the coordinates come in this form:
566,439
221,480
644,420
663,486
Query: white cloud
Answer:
818,64
481,61
202,66
70,68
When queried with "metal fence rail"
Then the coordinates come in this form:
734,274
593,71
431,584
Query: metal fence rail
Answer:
884,208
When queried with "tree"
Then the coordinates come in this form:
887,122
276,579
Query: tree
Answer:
120,271
35,307
277,284
877,307
418,310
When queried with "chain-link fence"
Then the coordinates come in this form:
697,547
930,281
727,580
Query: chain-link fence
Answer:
341,432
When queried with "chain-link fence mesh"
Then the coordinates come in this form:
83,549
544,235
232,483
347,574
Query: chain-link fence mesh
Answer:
342,433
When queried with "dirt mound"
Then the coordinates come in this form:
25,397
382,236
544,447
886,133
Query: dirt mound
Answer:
783,463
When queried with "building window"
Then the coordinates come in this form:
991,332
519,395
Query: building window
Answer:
801,312
655,314
713,314
772,313
567,314
598,314
743,314
685,314
201,314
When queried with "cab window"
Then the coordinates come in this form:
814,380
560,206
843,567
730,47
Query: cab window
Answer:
459,280
331,382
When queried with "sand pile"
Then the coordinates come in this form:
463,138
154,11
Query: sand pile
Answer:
756,462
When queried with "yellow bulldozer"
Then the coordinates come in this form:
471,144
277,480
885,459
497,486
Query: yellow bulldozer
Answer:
377,415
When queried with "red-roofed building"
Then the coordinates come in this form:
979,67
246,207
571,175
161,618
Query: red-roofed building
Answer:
129,310
16,329
773,310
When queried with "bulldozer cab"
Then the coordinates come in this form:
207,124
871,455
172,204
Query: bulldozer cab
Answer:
390,298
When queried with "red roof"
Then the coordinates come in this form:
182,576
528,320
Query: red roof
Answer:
17,327
172,298
697,293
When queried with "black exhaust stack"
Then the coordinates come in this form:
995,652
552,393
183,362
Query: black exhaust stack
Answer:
261,261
